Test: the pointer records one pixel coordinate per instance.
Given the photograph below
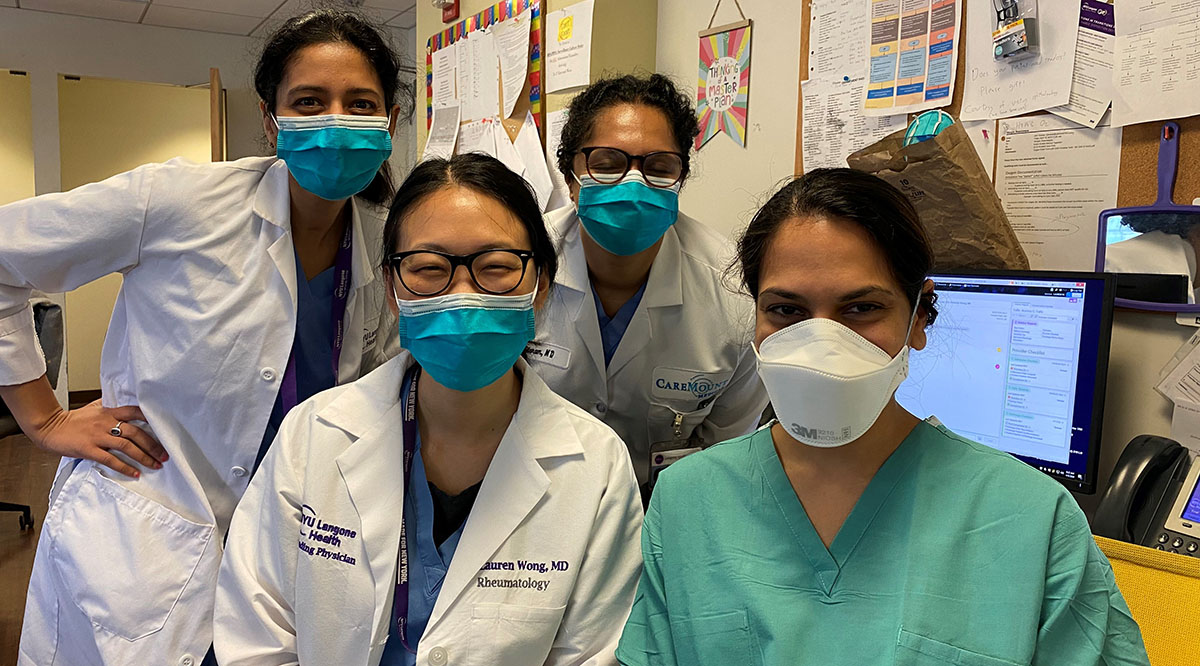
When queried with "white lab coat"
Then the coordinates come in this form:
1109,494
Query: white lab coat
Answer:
686,355
200,335
559,490
1153,252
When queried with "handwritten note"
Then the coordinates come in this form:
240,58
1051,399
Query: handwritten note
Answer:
1054,178
1002,89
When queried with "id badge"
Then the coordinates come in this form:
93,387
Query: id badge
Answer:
662,454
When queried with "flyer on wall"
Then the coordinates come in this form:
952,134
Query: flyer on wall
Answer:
912,55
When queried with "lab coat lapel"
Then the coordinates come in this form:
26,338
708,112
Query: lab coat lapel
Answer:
580,300
664,288
371,467
272,203
514,485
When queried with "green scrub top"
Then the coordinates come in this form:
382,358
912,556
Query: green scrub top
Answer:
955,554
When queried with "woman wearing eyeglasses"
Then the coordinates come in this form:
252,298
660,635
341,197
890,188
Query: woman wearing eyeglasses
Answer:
447,508
641,330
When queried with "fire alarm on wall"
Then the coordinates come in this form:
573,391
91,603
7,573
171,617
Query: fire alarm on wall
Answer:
449,9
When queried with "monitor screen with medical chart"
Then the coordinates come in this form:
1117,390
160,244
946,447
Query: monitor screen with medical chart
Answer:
1017,361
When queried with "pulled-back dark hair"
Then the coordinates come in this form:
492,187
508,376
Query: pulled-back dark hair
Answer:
485,175
324,26
1175,224
856,197
655,91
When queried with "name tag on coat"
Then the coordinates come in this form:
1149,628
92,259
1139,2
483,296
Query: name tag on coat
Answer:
544,352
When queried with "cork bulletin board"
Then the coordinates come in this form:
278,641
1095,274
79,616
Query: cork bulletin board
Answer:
1139,143
530,98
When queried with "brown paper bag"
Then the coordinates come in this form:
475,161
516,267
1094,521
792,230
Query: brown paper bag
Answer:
947,183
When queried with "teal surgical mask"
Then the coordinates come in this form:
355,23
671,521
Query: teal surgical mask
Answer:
331,155
629,216
467,341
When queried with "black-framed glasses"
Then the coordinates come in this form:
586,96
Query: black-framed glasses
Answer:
609,165
429,273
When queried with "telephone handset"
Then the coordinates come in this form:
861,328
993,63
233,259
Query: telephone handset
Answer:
1152,497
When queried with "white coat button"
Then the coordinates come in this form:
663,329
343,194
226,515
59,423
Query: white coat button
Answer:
268,374
601,407
438,656
239,471
187,660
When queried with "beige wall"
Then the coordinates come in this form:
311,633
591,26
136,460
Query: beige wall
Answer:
729,182
623,40
107,127
16,137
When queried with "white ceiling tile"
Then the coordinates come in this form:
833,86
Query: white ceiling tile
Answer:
259,8
405,20
379,15
8,3
190,19
117,10
398,5
287,10
290,8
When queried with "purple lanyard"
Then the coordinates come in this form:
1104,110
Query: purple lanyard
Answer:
341,293
409,432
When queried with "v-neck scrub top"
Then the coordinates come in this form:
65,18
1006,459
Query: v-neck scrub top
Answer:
955,554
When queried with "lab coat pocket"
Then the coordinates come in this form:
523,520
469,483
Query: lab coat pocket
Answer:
669,423
917,650
717,639
512,633
123,559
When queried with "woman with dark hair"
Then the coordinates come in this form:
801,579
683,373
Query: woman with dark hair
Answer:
479,518
642,332
248,286
849,531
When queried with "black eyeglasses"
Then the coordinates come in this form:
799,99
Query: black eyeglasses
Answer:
429,273
609,165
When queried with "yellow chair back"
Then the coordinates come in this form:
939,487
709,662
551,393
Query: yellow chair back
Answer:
1163,593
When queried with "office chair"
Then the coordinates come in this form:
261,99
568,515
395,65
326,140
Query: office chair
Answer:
48,322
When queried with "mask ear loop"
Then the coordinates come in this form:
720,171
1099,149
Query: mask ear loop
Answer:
916,308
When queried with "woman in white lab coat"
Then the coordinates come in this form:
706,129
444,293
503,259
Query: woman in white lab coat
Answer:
642,331
450,508
248,286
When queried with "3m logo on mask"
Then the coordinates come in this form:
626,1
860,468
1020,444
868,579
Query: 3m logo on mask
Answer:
677,383
819,435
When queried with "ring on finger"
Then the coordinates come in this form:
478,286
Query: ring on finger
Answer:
115,431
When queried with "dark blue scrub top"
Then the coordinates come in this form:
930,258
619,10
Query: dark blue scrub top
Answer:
612,330
313,346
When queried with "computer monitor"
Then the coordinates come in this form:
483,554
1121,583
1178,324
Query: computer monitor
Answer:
1017,361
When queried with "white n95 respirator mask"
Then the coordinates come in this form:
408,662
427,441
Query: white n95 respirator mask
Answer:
828,384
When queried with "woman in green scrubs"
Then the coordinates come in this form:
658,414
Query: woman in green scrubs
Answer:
851,532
